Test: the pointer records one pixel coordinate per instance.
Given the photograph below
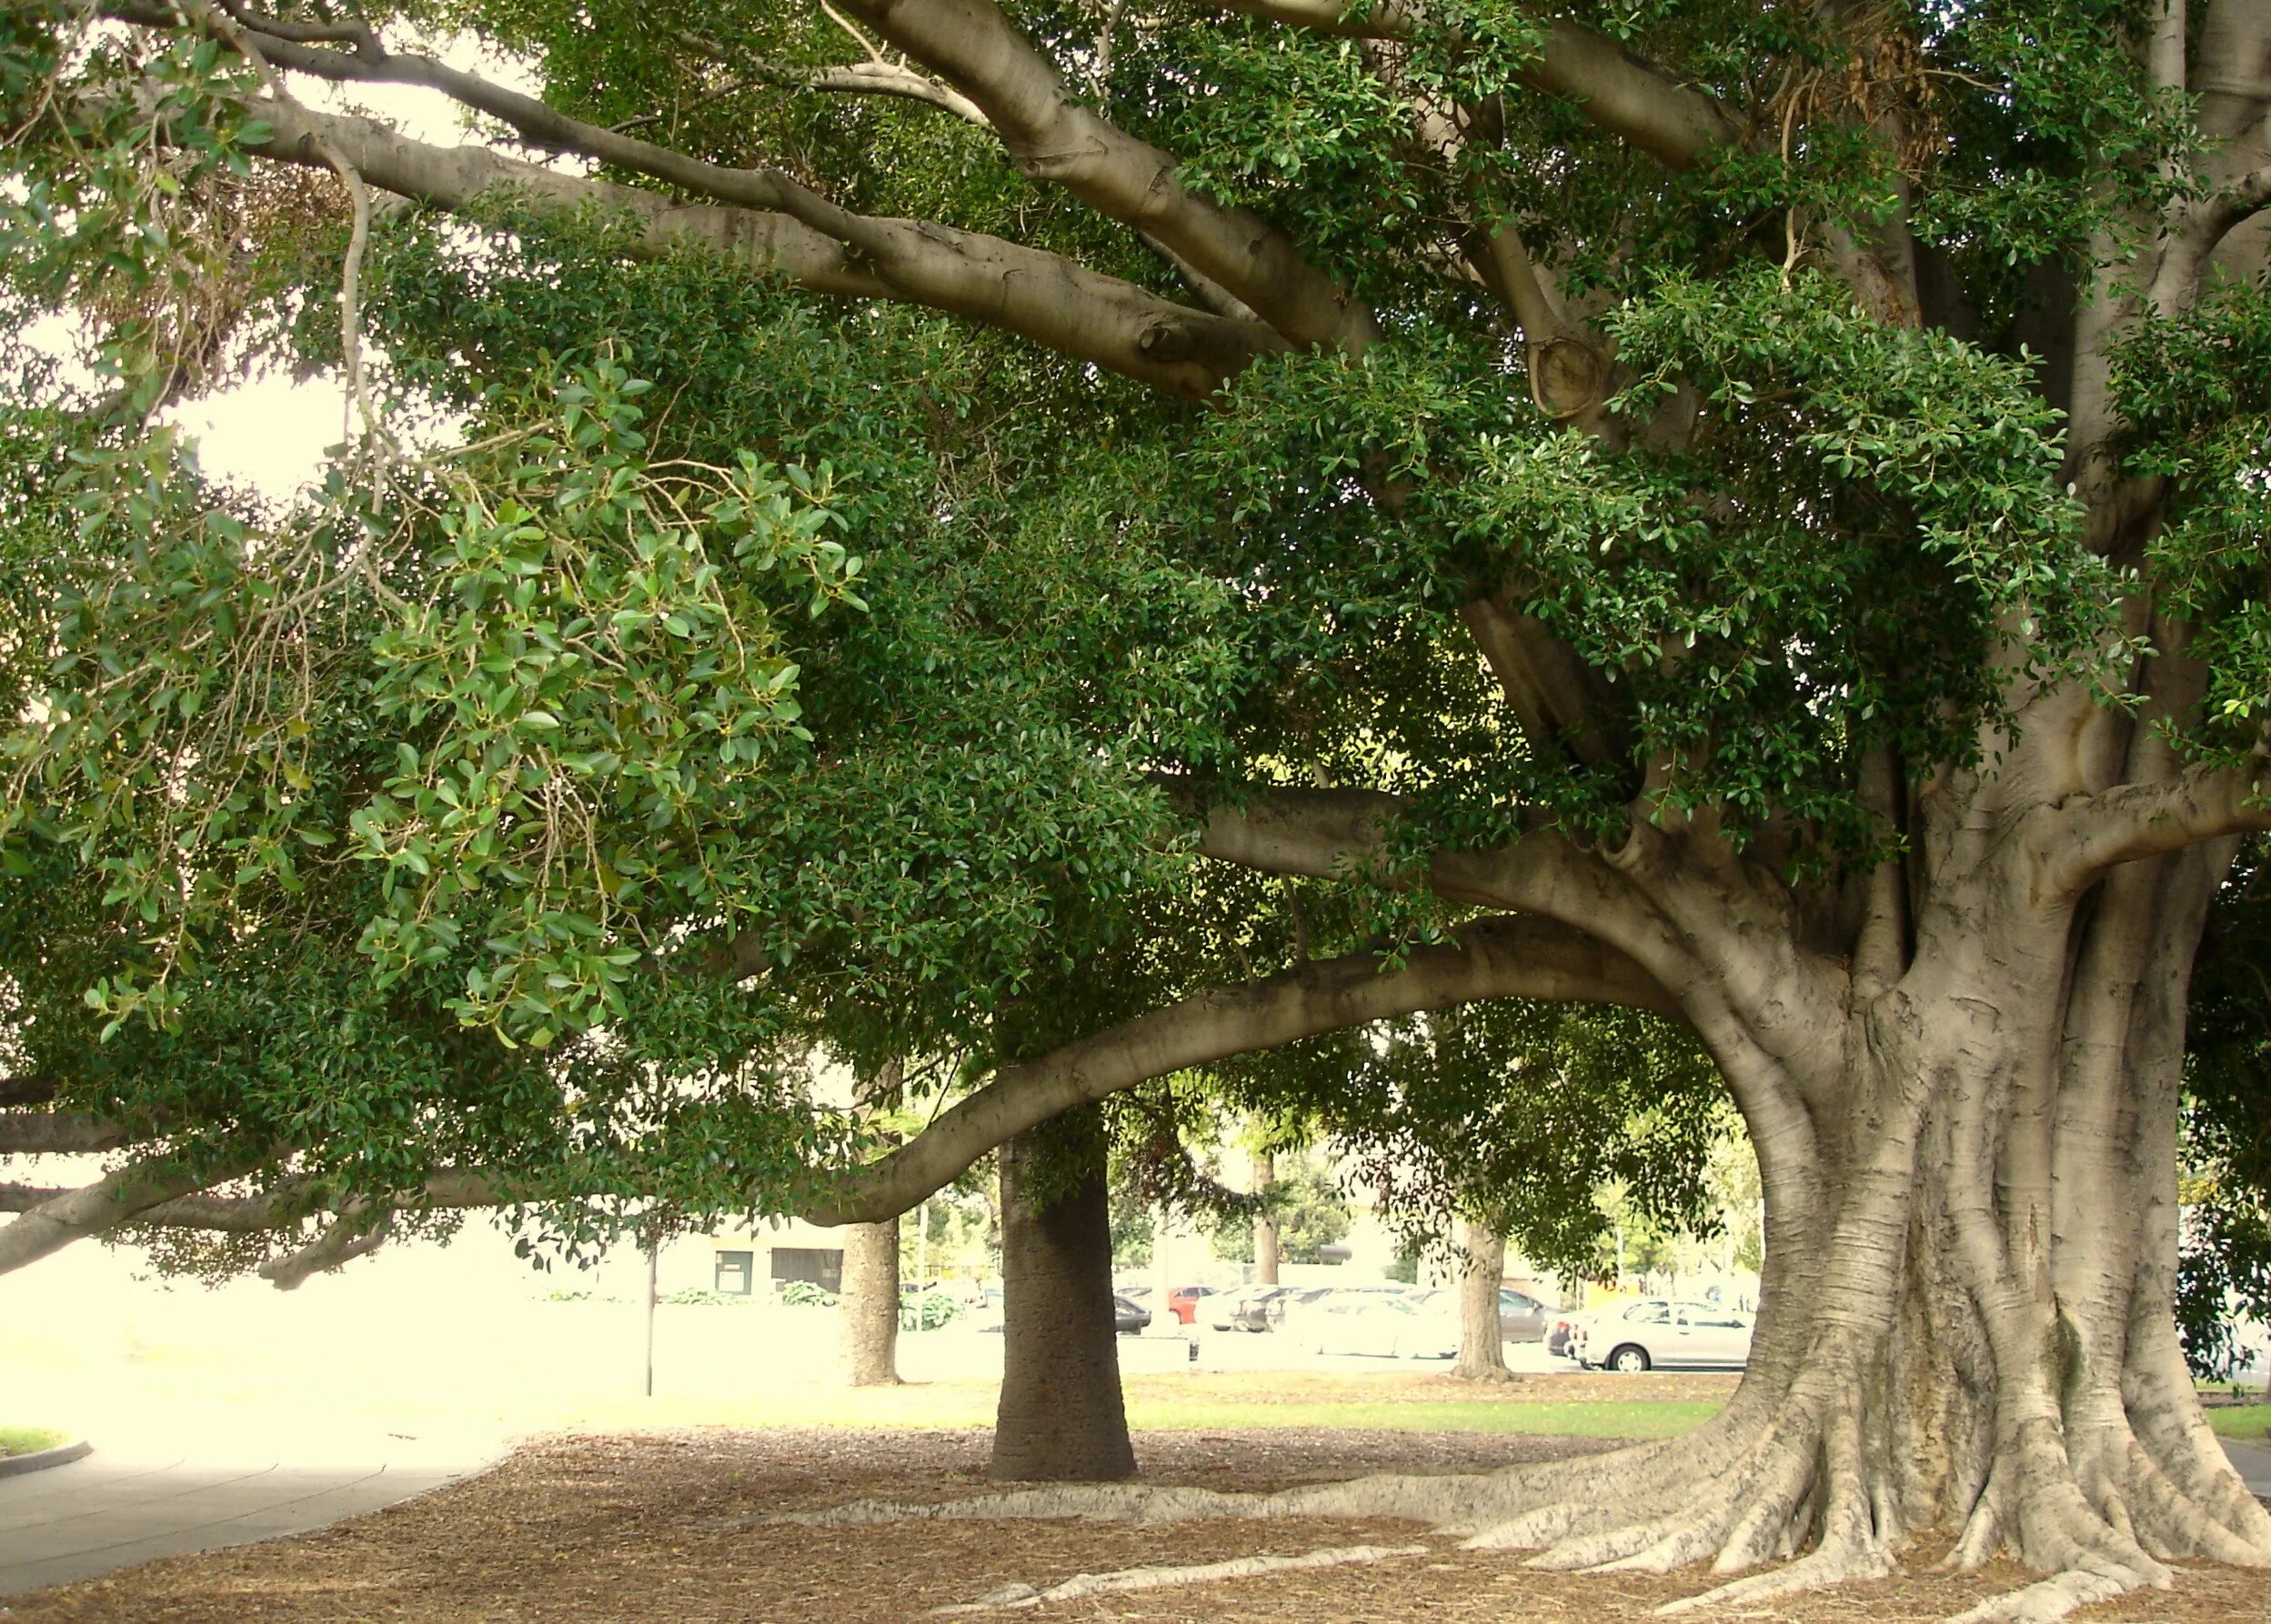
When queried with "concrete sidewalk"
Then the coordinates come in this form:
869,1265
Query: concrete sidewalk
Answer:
116,1509
2254,1461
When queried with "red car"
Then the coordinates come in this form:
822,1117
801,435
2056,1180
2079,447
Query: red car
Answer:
1182,1302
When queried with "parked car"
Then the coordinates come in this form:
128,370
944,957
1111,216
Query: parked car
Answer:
1422,1326
1252,1312
1656,1334
1182,1302
1298,1318
1561,1337
1129,1319
1285,1310
1520,1317
1224,1309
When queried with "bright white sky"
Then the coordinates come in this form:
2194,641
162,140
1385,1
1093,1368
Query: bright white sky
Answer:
271,432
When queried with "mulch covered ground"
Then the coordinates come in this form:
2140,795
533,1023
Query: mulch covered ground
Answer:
670,1528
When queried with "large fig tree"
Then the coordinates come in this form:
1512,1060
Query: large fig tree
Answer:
1748,511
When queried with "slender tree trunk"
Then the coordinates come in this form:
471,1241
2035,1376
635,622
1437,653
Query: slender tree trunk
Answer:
871,1304
1062,1417
1265,1222
1481,1270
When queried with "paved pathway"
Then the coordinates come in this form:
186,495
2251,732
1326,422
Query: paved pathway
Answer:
2254,1461
118,1508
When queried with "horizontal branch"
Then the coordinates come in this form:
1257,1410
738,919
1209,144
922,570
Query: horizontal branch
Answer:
57,1133
1632,99
1043,296
883,78
1491,959
1339,834
27,1090
52,1223
2085,835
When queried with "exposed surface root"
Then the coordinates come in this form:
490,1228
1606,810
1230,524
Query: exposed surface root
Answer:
1012,1596
2056,1597
1453,1502
1093,1502
1825,1567
2099,1516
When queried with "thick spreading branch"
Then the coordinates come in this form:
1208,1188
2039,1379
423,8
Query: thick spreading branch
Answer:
282,1205
2085,835
116,1198
1050,136
26,1091
1498,957
1013,87
1043,296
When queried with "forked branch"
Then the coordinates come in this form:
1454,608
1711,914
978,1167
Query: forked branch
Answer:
976,48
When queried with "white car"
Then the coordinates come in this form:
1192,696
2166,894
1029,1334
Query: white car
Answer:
1389,1324
1656,1334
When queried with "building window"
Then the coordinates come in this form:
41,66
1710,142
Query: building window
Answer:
733,1273
823,1266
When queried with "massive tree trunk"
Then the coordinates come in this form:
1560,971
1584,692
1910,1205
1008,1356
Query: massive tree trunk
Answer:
871,1304
1060,1418
1265,1222
1481,1270
1966,1320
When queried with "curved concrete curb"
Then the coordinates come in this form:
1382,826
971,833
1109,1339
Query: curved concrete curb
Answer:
39,1461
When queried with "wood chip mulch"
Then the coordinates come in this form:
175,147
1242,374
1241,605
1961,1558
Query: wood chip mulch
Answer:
670,1528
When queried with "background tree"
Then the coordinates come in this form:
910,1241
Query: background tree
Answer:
2225,1267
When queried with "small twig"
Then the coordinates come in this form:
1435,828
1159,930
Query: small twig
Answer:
874,51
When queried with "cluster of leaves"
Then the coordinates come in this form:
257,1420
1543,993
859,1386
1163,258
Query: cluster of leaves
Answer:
2197,393
496,694
1863,511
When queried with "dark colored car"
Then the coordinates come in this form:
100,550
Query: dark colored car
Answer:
1127,1318
1559,1336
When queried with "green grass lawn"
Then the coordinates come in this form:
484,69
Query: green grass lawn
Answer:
1170,1403
2250,1421
1628,1417
23,1440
